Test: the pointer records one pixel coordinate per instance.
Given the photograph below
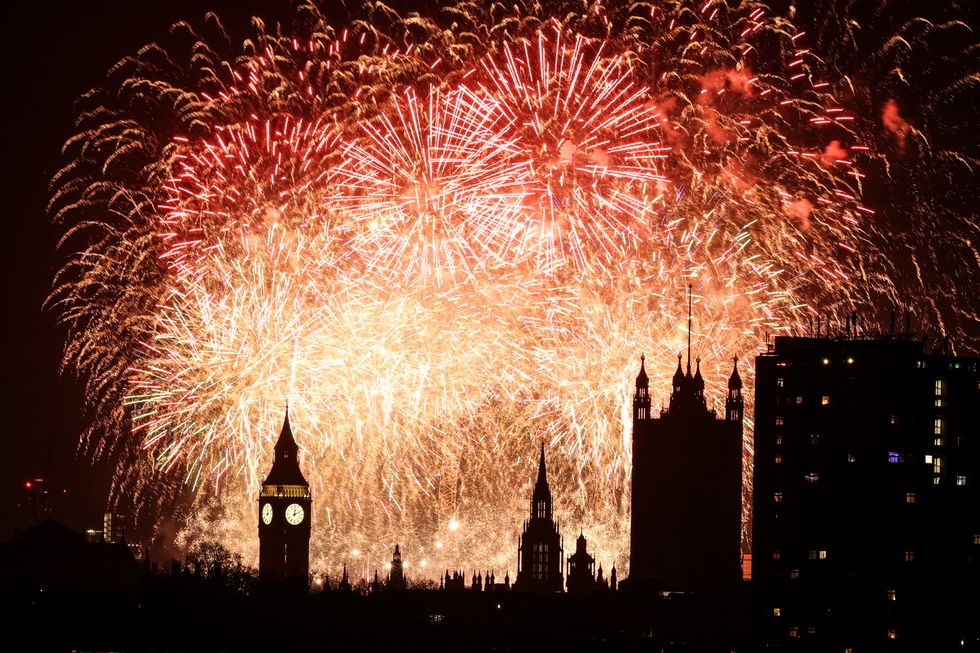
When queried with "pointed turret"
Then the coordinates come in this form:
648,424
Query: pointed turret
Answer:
734,404
641,398
285,468
698,379
735,380
541,498
678,380
542,472
642,381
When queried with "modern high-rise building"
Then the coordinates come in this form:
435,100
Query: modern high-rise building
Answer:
685,533
866,519
540,553
284,516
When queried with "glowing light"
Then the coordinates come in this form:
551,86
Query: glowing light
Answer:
440,271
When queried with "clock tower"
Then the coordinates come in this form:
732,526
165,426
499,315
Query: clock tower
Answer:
284,516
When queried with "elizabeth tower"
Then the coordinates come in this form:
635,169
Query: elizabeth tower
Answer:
284,516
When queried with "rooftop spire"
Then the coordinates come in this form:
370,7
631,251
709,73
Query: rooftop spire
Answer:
286,439
642,381
542,472
689,314
735,380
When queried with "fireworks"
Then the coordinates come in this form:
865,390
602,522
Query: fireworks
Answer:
441,247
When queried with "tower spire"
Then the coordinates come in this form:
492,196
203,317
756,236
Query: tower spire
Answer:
542,472
689,313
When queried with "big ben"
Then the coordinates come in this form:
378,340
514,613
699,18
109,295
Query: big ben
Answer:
284,516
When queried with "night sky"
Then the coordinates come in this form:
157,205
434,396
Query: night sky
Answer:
59,51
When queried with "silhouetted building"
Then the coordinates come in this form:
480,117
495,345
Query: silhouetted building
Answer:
866,520
114,527
685,533
51,555
581,568
455,582
344,586
396,577
35,504
284,516
540,552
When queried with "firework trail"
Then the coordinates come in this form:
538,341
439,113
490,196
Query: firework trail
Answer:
444,239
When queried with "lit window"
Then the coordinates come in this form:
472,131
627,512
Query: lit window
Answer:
542,509
779,439
794,573
799,400
937,465
779,421
814,438
539,569
811,554
891,633
921,365
777,460
928,458
780,382
776,612
894,457
811,630
961,480
794,632
910,497
935,480
937,442
812,477
910,556
938,403
824,400
777,497
937,426
976,538
940,387
851,458
893,419
891,595
777,555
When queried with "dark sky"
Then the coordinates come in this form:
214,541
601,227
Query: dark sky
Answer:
60,50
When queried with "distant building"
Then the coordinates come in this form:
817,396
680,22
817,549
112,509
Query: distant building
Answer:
396,576
866,519
114,527
284,516
455,582
540,552
581,569
51,555
685,533
35,504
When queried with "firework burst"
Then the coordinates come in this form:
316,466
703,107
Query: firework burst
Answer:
443,246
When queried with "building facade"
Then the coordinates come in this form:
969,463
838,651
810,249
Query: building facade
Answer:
396,576
540,553
685,533
284,516
866,512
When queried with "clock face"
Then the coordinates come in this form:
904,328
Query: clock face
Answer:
294,513
267,513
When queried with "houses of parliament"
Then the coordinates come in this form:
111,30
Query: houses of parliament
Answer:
685,533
